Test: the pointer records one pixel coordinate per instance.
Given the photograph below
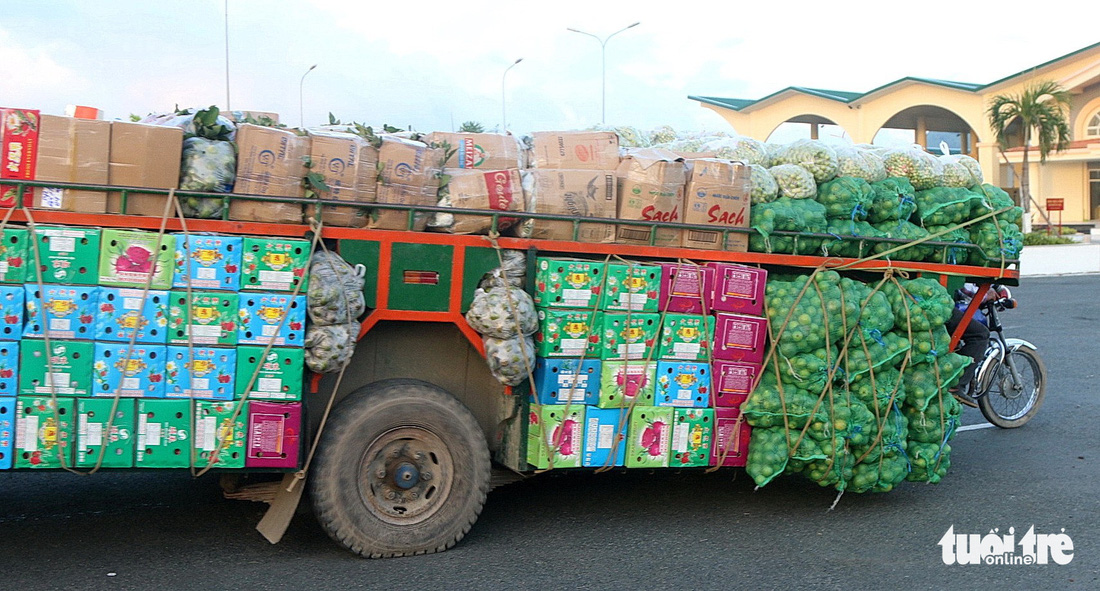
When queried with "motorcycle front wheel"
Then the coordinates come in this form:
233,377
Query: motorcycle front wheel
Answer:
1011,403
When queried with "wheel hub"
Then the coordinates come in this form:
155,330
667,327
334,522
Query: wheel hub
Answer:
405,475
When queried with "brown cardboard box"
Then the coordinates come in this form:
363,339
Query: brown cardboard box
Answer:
588,150
73,151
487,151
367,183
337,156
718,194
651,188
576,193
270,162
146,156
501,190
408,175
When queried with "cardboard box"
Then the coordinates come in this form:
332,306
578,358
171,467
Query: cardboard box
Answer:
683,384
208,262
14,243
219,437
335,156
409,174
274,264
43,432
12,298
7,433
69,255
486,151
93,434
731,438
499,190
572,193
627,383
686,337
558,381
568,333
629,335
136,372
649,437
632,287
740,338
366,184
124,312
19,148
262,319
71,365
593,150
604,437
210,318
554,430
733,382
9,369
65,311
145,156
274,430
738,288
127,257
279,376
718,194
73,151
651,185
685,288
200,372
164,434
691,437
568,283
270,163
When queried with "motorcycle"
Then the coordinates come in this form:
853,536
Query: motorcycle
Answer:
1010,381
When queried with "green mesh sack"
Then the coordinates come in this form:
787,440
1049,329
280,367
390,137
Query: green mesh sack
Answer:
835,470
936,423
919,304
921,168
907,231
766,406
943,206
807,371
893,471
992,198
929,345
845,197
890,432
894,198
764,187
768,454
950,254
815,156
808,450
930,461
925,382
871,311
787,215
886,385
849,239
882,349
997,241
813,320
794,181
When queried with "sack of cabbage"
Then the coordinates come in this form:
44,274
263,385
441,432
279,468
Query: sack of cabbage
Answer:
855,394
504,315
334,302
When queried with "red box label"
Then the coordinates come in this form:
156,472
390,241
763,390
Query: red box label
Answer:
19,151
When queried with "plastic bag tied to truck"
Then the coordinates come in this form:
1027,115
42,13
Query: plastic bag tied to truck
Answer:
334,302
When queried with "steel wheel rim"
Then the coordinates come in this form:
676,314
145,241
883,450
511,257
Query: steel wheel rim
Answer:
1018,402
405,475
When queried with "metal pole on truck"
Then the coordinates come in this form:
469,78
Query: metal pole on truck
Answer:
503,99
603,66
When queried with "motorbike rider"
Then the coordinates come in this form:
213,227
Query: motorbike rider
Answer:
975,337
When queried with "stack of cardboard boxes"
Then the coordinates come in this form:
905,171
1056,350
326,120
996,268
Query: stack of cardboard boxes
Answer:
482,172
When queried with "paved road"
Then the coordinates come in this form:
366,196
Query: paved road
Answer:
690,531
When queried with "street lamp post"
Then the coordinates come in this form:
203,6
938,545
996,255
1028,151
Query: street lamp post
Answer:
603,61
301,95
503,100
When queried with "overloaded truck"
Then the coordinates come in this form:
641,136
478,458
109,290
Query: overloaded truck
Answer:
398,321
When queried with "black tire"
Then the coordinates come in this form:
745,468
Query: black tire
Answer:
1008,408
402,469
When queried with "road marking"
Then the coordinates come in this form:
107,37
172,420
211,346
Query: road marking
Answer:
975,427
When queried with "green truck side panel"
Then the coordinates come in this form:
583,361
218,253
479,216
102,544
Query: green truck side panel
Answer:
479,261
366,253
422,297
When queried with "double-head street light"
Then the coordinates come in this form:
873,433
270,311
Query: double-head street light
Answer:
603,60
301,101
503,99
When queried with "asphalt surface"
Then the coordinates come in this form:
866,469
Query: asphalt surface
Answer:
647,531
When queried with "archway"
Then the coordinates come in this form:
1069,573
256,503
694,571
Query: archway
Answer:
931,127
809,126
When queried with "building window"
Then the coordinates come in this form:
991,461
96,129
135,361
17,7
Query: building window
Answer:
1093,128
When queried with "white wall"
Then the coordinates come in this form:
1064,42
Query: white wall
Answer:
1060,259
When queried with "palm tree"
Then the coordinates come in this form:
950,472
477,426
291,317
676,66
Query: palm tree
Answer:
1042,108
471,127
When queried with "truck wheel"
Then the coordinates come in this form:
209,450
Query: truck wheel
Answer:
402,469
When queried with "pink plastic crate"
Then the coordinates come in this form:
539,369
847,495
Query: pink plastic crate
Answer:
731,433
739,338
738,288
685,288
733,382
274,429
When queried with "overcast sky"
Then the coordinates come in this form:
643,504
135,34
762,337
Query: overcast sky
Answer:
432,65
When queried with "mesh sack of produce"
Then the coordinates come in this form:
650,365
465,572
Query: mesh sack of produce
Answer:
929,345
807,450
925,382
802,317
835,469
739,148
794,181
894,199
632,137
865,308
919,304
863,164
872,349
208,166
846,197
954,173
769,403
768,453
890,431
922,169
943,206
936,423
907,231
842,418
815,156
879,475
335,292
992,198
663,134
329,348
787,215
510,360
880,387
764,187
512,273
929,461
502,312
850,239
808,371
954,255
997,241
